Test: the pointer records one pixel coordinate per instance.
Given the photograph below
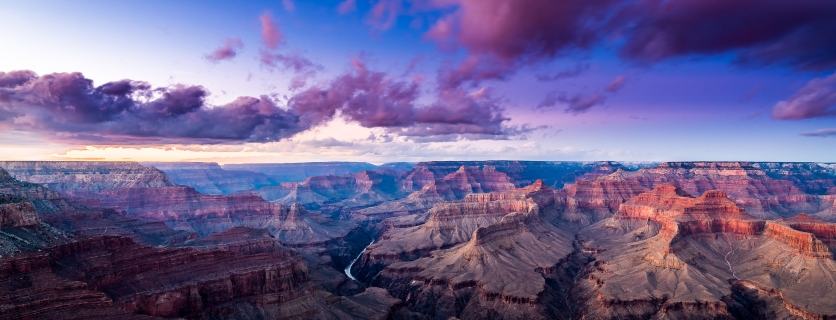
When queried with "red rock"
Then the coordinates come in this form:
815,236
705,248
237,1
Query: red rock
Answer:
16,212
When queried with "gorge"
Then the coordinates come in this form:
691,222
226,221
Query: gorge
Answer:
436,240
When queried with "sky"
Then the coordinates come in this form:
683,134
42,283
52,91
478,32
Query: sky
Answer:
398,80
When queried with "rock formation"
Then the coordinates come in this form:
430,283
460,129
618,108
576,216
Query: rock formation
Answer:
210,178
507,269
665,253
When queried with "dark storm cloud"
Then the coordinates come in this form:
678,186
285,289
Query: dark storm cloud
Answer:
501,35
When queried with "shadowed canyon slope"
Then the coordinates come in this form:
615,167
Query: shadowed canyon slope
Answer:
433,240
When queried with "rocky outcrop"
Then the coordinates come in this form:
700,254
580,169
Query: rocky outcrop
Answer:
361,189
745,184
55,211
521,173
587,201
99,273
666,253
453,186
501,272
16,211
447,224
811,178
86,177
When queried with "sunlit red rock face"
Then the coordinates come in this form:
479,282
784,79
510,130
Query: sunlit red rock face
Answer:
586,201
744,183
665,253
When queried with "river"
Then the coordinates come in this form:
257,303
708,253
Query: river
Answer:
348,269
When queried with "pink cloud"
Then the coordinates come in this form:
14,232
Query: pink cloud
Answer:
616,84
270,32
289,5
816,100
227,51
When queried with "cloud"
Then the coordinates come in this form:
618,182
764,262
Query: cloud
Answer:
384,14
375,100
227,51
16,78
577,103
756,32
289,5
294,62
616,84
820,133
68,106
270,32
816,100
525,32
347,6
565,74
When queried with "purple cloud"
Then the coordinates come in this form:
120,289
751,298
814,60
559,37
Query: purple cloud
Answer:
227,51
15,78
68,106
289,5
578,103
270,32
816,100
616,84
294,62
525,32
375,100
757,32
820,133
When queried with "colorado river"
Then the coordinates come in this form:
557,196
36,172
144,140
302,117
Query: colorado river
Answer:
348,269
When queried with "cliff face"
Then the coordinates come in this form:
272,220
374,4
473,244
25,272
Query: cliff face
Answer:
210,178
744,183
453,186
361,189
84,177
665,252
109,275
152,197
447,224
521,173
587,201
506,270
812,178
16,212
55,211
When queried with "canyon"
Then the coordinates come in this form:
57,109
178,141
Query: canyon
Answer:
429,240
